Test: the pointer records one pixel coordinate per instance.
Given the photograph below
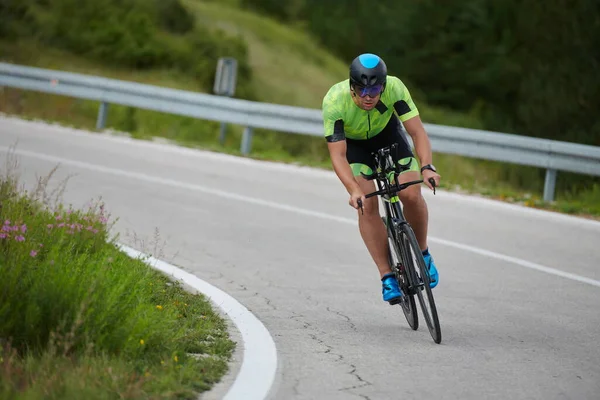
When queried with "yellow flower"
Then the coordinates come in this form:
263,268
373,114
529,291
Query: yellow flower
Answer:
159,307
176,359
142,342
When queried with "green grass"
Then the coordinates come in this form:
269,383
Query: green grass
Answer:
30,52
288,67
81,319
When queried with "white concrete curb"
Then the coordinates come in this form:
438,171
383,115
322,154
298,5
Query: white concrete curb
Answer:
259,364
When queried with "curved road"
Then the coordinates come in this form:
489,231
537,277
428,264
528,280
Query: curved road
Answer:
519,295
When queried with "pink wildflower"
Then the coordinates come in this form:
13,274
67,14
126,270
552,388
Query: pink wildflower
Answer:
3,235
61,225
23,228
20,238
33,253
58,217
50,226
7,222
95,231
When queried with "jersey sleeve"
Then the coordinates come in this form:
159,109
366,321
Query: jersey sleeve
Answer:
333,123
403,102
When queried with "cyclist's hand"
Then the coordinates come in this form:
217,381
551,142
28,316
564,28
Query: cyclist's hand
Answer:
428,174
354,197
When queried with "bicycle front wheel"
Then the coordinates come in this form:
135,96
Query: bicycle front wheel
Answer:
424,293
397,264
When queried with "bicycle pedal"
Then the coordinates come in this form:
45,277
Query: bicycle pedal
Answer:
395,301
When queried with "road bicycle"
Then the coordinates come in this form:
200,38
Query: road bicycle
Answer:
406,258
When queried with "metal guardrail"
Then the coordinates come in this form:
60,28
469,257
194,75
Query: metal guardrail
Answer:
549,154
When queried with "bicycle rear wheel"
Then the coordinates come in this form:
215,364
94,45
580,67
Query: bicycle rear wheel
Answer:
417,264
397,263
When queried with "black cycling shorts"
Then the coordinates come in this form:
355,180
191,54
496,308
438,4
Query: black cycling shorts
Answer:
358,152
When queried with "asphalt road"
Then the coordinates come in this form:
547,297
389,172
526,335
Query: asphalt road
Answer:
283,241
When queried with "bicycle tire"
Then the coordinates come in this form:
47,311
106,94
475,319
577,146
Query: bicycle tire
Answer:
423,280
408,304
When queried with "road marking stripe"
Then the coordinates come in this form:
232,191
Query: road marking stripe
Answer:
169,146
253,200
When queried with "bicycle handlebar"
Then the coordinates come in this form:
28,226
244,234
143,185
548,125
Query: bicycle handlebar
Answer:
386,153
394,189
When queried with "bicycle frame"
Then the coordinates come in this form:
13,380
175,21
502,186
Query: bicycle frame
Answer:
386,163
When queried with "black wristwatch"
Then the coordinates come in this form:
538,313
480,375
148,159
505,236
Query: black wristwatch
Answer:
428,166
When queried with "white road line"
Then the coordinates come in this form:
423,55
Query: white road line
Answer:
252,200
259,363
305,170
518,261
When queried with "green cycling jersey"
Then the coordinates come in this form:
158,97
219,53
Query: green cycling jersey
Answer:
342,118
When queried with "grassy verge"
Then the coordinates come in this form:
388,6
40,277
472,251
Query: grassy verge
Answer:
80,319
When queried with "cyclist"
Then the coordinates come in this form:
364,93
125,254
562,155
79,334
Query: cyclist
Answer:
362,114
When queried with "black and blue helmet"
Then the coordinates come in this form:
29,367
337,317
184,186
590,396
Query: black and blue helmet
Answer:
368,70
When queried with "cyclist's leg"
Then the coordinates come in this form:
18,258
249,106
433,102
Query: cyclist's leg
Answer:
413,202
371,227
370,224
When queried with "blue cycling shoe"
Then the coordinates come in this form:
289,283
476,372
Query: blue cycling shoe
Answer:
433,272
390,290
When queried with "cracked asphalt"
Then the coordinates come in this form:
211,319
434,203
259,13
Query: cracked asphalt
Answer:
507,331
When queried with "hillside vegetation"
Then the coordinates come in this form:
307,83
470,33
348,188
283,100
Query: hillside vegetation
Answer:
525,67
127,34
177,44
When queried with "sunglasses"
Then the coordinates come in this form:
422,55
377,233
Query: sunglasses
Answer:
372,91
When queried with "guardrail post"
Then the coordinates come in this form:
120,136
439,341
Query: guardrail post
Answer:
246,140
549,185
224,85
102,114
222,133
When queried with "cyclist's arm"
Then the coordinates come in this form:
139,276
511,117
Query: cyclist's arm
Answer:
416,130
337,152
336,144
409,115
